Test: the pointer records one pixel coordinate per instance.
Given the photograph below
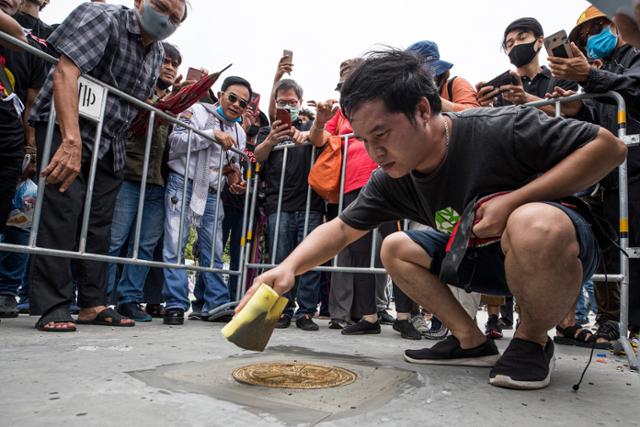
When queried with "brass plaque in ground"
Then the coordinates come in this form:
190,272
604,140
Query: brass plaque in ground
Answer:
293,375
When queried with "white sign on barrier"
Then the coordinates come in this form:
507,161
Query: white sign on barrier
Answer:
90,97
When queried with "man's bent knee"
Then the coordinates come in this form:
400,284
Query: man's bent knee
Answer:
536,228
399,246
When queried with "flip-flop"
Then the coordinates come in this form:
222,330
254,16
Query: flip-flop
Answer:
59,314
101,319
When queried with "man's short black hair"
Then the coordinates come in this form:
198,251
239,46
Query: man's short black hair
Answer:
287,84
396,77
235,80
523,24
172,52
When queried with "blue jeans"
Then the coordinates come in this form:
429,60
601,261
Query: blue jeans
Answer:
232,230
13,265
131,285
586,301
176,290
307,289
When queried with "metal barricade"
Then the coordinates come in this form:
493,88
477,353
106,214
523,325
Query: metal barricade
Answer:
623,276
155,114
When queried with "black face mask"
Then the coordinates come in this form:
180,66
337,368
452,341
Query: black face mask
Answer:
253,131
522,54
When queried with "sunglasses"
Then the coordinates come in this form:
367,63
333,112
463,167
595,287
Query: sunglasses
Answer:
594,28
233,98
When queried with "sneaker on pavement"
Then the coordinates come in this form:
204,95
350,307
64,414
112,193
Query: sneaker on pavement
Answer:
284,322
133,312
492,329
407,330
524,365
506,326
361,328
306,323
339,323
420,323
436,334
8,306
173,316
449,352
385,318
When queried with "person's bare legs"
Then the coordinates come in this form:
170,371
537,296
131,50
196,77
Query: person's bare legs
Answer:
542,267
407,264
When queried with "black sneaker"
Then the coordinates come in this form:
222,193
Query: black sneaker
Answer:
492,329
407,330
339,323
133,312
284,322
8,306
306,324
524,365
361,328
173,316
449,352
385,318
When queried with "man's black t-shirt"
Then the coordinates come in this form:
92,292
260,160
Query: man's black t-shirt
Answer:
33,24
294,196
540,85
27,70
11,131
491,150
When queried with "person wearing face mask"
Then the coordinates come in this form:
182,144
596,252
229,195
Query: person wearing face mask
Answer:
522,41
121,47
596,38
222,122
287,95
129,288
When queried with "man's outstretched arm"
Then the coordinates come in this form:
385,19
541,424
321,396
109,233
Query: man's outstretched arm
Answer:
319,247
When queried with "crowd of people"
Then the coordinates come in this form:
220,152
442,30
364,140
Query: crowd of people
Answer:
425,151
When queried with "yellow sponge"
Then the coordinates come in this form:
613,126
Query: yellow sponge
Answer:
253,326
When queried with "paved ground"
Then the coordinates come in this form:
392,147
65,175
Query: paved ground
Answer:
158,375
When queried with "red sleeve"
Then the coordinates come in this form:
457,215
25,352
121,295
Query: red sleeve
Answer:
332,124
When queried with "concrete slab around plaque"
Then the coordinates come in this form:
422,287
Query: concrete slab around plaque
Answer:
374,386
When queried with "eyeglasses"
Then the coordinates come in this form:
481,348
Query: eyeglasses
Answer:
283,104
233,98
589,29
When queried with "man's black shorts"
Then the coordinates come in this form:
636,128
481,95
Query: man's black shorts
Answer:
482,269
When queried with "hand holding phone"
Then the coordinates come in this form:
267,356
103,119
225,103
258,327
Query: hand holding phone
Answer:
194,74
284,116
557,45
505,78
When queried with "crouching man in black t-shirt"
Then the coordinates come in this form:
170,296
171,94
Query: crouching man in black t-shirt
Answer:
432,166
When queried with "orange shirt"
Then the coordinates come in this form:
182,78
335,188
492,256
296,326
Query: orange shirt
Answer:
464,95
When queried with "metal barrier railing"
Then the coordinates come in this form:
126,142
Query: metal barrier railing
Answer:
155,113
623,276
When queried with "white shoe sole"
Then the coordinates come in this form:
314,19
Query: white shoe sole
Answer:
508,382
483,362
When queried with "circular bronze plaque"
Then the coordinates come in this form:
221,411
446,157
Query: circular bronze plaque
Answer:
293,375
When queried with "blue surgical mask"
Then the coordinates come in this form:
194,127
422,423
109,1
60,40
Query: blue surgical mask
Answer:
294,111
224,116
601,45
155,24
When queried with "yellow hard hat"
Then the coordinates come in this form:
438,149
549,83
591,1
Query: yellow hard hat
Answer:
589,14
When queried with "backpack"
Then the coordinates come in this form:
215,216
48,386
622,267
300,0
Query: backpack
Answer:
324,176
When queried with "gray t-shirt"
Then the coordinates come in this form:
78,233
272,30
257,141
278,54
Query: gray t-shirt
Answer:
491,150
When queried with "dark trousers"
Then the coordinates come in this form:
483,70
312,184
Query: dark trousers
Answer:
10,171
60,224
155,279
232,232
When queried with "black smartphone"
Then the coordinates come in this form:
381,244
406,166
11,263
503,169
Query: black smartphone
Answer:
505,78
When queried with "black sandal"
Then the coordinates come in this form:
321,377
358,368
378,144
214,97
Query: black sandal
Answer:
59,314
579,337
107,313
